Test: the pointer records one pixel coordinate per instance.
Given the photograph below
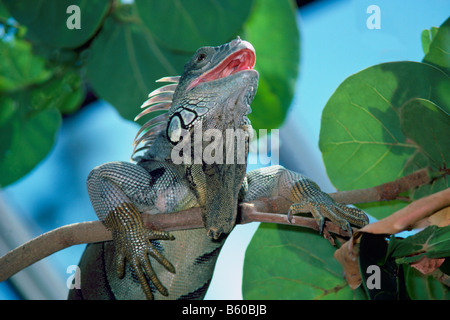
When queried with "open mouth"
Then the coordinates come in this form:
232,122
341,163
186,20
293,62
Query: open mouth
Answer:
241,60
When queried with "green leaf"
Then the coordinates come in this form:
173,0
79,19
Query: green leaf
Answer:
186,25
432,242
361,139
427,36
283,262
4,14
64,93
426,40
125,61
19,67
26,140
428,126
47,19
7,110
277,60
30,120
424,287
439,49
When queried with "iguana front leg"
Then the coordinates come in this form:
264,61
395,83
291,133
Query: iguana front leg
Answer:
116,191
305,195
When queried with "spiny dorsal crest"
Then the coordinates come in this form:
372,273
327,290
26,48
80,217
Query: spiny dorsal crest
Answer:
159,100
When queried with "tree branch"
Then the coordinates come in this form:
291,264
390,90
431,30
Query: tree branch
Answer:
261,210
385,191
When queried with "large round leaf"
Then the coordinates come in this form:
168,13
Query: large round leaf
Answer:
189,24
26,140
48,19
284,262
125,60
361,139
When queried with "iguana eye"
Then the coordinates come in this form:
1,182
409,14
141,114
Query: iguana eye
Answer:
201,57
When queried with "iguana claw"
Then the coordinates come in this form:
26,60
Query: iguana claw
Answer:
322,206
134,246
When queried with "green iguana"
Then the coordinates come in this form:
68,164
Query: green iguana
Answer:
212,95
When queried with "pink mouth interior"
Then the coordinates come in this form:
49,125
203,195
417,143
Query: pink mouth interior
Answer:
241,60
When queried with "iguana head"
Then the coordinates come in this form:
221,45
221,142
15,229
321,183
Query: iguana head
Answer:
213,93
217,87
215,82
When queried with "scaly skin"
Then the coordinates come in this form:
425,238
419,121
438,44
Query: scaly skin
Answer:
214,92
